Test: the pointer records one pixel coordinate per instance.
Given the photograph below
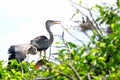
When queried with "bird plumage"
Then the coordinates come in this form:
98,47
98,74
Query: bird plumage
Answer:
83,21
40,63
42,42
19,52
88,25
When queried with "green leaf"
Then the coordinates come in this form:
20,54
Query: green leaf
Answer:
59,42
62,50
94,50
102,44
101,58
82,50
77,57
98,19
13,71
71,45
118,3
80,2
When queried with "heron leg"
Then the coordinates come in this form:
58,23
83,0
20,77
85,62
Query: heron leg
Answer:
40,53
45,53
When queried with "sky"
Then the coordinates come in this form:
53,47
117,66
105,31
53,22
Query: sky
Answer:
23,20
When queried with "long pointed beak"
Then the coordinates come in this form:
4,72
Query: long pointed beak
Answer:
57,22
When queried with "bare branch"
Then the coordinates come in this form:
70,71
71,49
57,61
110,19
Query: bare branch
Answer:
86,15
79,78
88,75
79,10
60,73
22,69
65,75
72,35
78,5
49,53
95,22
40,78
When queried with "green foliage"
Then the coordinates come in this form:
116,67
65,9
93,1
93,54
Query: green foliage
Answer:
118,3
87,62
109,15
17,71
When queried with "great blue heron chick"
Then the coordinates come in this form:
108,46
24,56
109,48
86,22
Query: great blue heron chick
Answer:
109,30
88,25
20,52
40,63
83,21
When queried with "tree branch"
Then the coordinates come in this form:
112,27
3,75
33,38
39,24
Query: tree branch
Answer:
94,21
73,35
78,5
65,75
60,73
88,75
86,15
79,78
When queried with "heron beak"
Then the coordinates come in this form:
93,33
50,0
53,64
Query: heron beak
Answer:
57,22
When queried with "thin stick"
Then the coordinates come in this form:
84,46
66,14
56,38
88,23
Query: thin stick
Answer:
88,75
86,15
79,78
49,53
72,35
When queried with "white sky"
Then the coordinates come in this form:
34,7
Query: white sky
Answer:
23,20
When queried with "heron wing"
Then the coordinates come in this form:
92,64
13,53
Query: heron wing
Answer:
22,48
40,42
20,56
11,49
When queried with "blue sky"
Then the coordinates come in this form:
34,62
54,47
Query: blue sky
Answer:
23,20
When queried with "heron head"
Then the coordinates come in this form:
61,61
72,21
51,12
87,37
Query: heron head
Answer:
32,50
52,22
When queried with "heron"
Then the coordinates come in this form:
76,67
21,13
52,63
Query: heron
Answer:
109,30
42,43
40,63
88,25
20,52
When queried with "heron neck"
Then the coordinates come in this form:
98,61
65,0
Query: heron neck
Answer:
51,36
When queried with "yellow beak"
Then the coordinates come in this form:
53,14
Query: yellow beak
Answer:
56,22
